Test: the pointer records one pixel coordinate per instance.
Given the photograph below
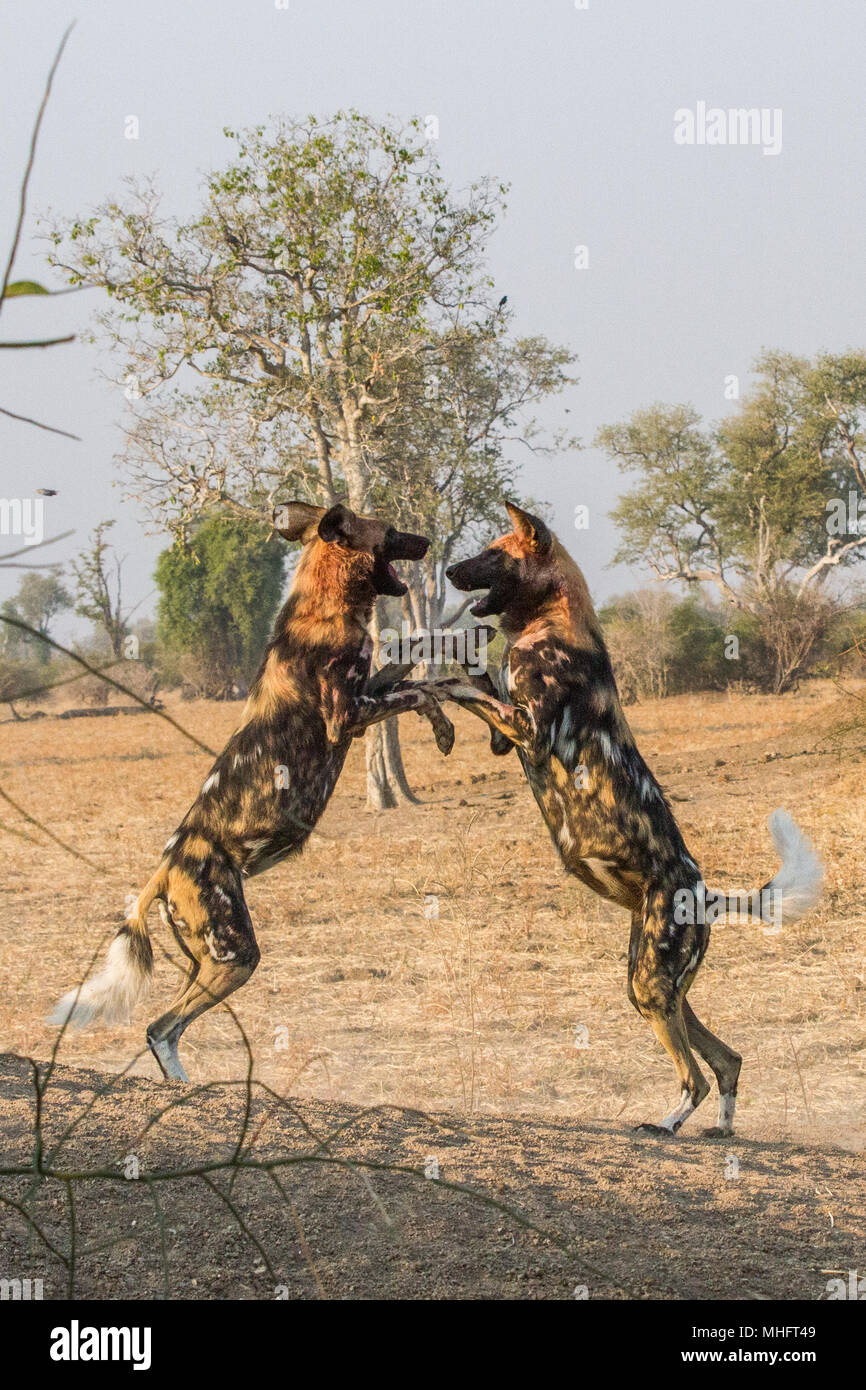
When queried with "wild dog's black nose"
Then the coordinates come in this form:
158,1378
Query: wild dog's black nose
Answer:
449,573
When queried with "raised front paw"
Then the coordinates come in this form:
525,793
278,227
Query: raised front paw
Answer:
430,709
443,730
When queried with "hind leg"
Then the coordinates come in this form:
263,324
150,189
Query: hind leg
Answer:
163,1050
724,1062
670,1030
663,958
208,915
214,982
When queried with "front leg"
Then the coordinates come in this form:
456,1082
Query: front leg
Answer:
372,709
499,743
514,722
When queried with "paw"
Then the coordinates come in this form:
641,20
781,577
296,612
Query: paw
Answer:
661,1130
443,729
717,1132
444,737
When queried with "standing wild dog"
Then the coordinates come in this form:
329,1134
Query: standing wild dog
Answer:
557,703
272,781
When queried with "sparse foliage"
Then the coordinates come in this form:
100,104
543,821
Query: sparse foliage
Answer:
323,320
745,506
99,594
37,601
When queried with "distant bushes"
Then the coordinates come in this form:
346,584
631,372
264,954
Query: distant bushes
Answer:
220,593
219,589
663,646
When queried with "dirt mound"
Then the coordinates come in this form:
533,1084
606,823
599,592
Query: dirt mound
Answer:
334,1200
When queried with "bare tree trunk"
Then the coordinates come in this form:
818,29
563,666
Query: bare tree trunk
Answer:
387,784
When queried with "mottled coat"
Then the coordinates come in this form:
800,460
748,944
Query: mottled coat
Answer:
555,699
267,789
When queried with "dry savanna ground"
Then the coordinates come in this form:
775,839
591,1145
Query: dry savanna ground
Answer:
437,958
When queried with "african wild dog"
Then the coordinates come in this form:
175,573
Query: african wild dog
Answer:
272,781
558,704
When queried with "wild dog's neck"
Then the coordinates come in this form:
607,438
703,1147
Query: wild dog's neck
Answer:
563,606
520,624
330,585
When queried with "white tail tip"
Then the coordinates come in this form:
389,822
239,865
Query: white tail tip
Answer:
111,995
797,886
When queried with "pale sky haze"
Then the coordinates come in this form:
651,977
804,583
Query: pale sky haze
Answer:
699,255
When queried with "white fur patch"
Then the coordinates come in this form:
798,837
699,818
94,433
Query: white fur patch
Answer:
797,885
111,995
647,790
211,782
610,750
562,740
679,1114
210,941
727,1106
693,960
600,869
172,1065
566,839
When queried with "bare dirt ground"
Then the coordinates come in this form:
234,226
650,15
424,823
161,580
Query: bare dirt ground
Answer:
562,1208
437,958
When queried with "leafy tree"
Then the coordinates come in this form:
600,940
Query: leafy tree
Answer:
448,460
698,630
280,341
639,636
38,600
218,595
749,505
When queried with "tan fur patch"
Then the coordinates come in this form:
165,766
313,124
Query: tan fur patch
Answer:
183,897
196,847
276,688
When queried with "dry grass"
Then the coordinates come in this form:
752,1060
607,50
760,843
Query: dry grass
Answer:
438,956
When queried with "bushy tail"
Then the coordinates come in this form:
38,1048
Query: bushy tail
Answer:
797,886
124,979
794,889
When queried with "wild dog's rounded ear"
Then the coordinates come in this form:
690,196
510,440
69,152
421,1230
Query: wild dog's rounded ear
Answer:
297,521
338,525
530,529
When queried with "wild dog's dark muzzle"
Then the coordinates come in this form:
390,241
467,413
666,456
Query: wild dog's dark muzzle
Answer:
401,545
490,571
480,572
404,546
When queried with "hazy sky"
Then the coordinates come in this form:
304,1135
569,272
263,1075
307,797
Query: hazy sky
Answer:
698,255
